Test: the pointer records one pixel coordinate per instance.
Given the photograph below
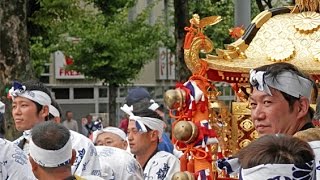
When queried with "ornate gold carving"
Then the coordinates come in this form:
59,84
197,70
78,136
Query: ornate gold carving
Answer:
244,143
254,134
307,22
240,134
278,27
209,21
241,108
261,18
280,50
204,45
247,125
316,51
198,41
240,43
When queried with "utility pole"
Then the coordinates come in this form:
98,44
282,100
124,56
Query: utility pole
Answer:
242,12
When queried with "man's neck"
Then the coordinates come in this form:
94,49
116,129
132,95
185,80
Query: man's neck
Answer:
59,173
297,127
146,155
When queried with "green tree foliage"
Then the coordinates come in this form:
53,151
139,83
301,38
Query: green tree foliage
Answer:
224,8
219,33
48,22
117,51
105,45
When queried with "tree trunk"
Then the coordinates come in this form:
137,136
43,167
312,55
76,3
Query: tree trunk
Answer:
269,3
260,5
14,55
113,87
181,17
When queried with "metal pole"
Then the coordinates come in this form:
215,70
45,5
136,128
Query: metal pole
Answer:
242,12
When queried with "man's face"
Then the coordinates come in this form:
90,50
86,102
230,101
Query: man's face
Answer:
24,113
89,118
138,141
69,115
111,139
271,114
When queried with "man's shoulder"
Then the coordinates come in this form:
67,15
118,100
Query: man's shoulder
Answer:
11,151
164,155
75,136
17,141
6,144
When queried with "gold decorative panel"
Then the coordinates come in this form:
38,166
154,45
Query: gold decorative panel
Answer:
243,128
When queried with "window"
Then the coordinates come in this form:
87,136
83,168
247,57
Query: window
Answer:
103,107
103,92
83,93
61,93
123,91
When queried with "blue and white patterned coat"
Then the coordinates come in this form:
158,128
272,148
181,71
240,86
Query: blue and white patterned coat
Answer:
118,164
87,161
14,163
161,166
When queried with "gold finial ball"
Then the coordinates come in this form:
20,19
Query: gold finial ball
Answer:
174,98
182,176
185,131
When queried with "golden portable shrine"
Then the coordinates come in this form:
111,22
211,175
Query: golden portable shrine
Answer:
204,128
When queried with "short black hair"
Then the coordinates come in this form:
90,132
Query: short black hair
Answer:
55,104
50,135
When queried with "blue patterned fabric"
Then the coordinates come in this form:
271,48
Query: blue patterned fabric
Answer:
279,172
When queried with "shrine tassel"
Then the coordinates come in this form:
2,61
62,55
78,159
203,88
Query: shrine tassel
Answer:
183,163
190,166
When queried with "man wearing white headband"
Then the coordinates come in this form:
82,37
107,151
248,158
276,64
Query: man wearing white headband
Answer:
31,105
273,157
280,99
141,99
110,136
144,133
277,157
51,153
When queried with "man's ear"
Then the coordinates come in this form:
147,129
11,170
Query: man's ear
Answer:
125,144
303,107
44,111
34,165
154,135
73,157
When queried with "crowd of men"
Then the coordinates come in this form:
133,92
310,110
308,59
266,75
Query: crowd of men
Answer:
280,108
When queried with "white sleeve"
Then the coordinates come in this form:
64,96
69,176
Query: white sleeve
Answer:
87,160
161,166
14,162
174,166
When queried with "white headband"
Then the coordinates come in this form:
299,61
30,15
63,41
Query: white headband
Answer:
113,130
286,82
154,106
54,111
51,158
38,96
279,171
315,145
142,122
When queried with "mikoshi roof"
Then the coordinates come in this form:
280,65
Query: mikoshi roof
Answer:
285,34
